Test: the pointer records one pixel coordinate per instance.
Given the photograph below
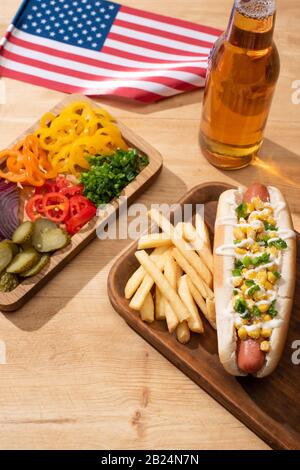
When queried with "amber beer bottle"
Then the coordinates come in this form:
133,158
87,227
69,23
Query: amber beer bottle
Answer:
242,74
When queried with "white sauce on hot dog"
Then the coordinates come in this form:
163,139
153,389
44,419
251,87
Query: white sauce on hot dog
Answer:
223,249
271,324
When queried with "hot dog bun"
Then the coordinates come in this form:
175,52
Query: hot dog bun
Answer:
223,265
286,286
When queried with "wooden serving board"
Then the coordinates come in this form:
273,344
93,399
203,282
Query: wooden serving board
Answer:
13,300
269,406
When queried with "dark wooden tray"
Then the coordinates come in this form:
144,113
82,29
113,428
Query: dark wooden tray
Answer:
13,300
270,406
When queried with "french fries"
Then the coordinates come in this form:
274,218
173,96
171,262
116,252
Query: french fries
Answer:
174,281
197,296
183,332
164,286
160,312
200,246
147,309
194,321
185,248
170,273
211,312
137,277
153,241
139,297
207,308
202,230
188,269
134,282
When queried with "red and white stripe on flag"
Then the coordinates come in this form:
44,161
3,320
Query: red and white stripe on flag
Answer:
145,57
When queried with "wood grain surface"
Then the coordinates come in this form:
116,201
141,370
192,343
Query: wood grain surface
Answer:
269,406
76,376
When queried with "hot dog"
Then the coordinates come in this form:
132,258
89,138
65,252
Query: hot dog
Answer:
249,355
256,190
255,265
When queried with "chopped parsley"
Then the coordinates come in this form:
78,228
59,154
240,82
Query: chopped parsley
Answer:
272,310
241,211
249,282
277,274
108,175
280,244
255,311
262,259
236,272
240,306
247,261
246,315
264,240
236,242
269,226
253,289
238,264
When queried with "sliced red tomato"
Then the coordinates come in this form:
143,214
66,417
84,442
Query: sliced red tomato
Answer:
48,187
62,182
56,207
70,191
62,202
75,223
78,203
34,207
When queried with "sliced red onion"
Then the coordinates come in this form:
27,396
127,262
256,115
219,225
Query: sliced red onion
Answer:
9,209
5,185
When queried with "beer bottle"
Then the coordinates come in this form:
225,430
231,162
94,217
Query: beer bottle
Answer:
242,73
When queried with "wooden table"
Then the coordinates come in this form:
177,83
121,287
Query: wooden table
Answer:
76,376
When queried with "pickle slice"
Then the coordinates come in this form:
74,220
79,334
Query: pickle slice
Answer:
23,233
23,261
6,254
26,245
8,282
14,248
41,226
52,240
37,268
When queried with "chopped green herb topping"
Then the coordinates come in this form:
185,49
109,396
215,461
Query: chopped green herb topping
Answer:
241,211
247,261
255,311
108,175
269,226
253,289
238,264
240,306
280,244
272,310
236,272
262,259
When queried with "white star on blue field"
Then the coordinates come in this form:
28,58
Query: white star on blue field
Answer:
84,23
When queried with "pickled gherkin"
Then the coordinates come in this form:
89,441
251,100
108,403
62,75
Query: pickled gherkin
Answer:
23,261
8,282
37,268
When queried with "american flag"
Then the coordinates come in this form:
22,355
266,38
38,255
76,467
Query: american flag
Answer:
98,47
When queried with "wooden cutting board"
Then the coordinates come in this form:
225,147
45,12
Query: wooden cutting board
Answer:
15,299
269,406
